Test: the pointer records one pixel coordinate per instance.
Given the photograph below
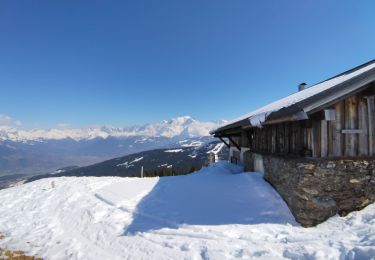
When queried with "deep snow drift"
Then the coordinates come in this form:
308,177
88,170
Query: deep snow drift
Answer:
217,213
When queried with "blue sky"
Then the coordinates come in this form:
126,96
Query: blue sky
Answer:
131,62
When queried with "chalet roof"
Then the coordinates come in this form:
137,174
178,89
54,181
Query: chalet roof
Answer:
299,105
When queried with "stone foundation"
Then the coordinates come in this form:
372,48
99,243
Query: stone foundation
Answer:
253,162
316,189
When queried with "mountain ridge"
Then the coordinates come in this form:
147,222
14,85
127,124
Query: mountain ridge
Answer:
38,151
179,160
183,127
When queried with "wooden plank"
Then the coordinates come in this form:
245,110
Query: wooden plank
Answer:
244,141
352,131
234,143
329,115
293,138
280,131
269,131
316,151
351,122
267,135
331,131
266,138
305,140
278,138
338,124
255,139
226,144
299,136
371,124
250,136
324,139
363,118
286,138
309,138
273,138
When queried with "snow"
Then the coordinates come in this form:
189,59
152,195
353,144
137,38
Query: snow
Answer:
165,165
258,116
217,213
129,164
174,151
217,149
57,172
194,143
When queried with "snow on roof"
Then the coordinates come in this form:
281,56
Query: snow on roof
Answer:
258,116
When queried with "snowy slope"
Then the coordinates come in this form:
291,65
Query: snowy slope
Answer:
217,213
154,162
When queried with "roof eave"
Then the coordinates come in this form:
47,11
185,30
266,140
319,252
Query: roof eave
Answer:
301,110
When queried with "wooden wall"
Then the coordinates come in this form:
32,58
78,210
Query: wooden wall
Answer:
346,128
285,138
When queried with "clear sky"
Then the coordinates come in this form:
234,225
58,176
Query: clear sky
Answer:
136,61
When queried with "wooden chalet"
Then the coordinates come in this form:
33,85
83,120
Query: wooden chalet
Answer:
334,118
316,146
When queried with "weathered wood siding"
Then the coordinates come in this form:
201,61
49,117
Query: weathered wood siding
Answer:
347,128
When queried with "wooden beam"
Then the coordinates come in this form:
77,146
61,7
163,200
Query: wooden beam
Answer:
351,122
331,131
316,129
299,138
274,135
226,144
352,131
363,120
235,144
338,124
324,139
371,123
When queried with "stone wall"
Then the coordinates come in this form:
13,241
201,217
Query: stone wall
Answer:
253,162
316,189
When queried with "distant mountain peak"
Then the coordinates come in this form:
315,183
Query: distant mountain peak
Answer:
181,127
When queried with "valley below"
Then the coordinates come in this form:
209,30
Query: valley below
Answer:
35,154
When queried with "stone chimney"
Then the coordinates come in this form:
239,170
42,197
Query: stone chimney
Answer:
301,86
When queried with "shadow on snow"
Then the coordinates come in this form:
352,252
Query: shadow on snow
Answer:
209,198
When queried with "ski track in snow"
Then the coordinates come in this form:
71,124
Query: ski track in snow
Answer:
129,164
174,151
217,213
217,148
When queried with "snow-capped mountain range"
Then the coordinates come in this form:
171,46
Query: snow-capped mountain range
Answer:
40,151
185,127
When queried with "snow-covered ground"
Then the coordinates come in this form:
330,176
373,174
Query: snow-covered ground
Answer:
217,213
129,164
